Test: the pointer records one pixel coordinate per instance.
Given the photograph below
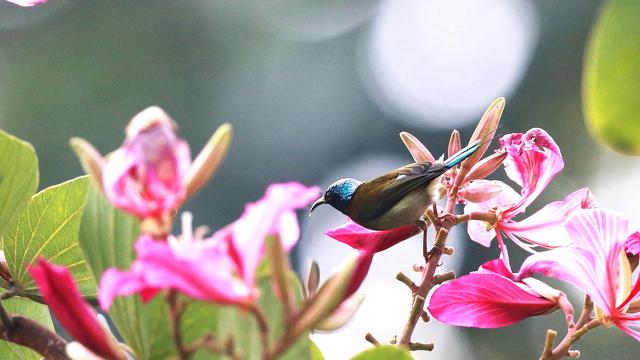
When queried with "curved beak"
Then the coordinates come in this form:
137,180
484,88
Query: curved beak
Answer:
316,204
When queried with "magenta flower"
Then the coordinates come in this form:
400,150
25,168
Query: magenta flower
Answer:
597,264
76,316
221,268
489,298
367,243
533,159
144,176
27,3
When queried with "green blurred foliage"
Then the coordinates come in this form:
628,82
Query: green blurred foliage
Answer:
612,75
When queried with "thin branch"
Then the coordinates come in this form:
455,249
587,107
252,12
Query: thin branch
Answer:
405,280
29,333
547,351
370,338
263,328
176,310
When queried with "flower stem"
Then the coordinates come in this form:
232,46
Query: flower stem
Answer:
574,333
263,328
176,310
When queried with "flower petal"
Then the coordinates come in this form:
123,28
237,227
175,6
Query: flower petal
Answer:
271,215
485,300
372,241
592,263
60,292
477,230
532,162
632,245
546,227
144,176
202,270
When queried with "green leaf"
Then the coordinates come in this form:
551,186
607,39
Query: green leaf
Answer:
316,354
32,310
384,352
18,177
243,328
107,236
611,77
49,227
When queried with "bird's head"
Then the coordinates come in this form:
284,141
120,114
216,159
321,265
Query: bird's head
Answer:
338,194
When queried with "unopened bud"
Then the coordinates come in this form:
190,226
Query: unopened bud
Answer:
454,143
416,148
485,131
485,167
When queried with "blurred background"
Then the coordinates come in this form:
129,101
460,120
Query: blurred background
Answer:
318,90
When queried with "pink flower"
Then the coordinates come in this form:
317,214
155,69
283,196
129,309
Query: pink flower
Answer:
76,316
368,243
145,175
489,298
533,160
597,264
27,3
371,241
221,268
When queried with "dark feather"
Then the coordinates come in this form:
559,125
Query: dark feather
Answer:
389,189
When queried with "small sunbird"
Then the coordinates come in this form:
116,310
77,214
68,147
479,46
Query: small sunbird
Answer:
395,199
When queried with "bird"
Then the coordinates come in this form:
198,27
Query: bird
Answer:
395,199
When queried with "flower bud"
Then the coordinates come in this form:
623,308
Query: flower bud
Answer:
485,131
416,148
485,167
454,143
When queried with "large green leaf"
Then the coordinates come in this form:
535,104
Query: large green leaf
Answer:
243,328
32,310
18,177
384,352
49,227
107,236
611,77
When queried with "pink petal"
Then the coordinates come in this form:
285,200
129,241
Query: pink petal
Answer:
60,292
477,229
371,241
591,264
632,245
546,227
496,266
144,176
201,270
481,191
27,3
532,162
363,263
485,301
271,215
630,324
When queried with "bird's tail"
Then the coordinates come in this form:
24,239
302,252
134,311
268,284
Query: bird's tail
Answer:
464,153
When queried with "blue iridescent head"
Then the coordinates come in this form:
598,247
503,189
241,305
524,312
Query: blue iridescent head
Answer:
338,194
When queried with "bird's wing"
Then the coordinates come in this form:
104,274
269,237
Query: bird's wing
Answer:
383,193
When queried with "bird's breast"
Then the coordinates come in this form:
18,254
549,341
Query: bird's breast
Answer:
406,211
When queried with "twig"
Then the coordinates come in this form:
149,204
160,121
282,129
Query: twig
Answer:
263,328
370,338
439,279
420,346
547,351
405,280
176,309
210,343
29,333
